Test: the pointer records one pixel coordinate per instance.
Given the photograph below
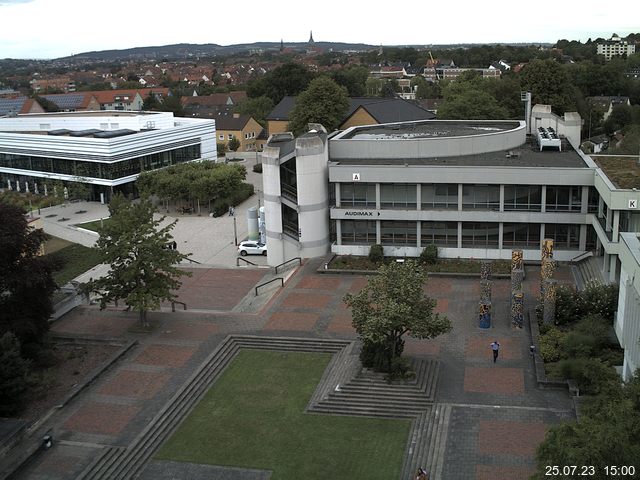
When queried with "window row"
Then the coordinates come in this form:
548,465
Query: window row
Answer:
474,197
445,234
109,171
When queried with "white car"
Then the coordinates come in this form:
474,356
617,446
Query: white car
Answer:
252,248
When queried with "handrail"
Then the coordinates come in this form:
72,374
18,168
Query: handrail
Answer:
270,281
244,260
582,256
288,261
173,305
193,261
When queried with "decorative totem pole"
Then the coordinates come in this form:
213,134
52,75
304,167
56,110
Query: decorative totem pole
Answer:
517,294
547,286
484,308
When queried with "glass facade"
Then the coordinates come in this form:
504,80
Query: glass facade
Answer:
289,180
565,237
480,235
521,235
395,232
439,196
481,197
400,196
105,170
362,195
358,232
523,198
290,221
563,199
442,234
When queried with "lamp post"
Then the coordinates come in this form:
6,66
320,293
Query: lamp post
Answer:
235,231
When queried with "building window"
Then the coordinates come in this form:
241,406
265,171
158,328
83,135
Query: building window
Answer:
443,234
440,196
594,198
401,196
358,232
523,198
480,197
565,237
290,222
480,235
289,180
361,195
563,199
395,232
230,136
521,235
221,137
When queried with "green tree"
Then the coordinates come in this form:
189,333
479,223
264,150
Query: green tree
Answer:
234,144
323,102
258,108
150,103
392,304
353,78
472,104
26,280
549,84
14,376
288,79
143,270
606,434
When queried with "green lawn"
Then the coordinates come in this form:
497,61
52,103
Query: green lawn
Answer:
75,260
94,225
254,417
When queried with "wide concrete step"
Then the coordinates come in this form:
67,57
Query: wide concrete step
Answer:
328,407
378,400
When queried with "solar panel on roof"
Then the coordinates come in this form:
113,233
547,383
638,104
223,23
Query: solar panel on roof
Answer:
114,133
11,105
84,133
60,131
65,101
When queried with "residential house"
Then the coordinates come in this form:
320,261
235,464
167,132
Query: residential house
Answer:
242,127
19,105
73,102
362,111
606,104
615,46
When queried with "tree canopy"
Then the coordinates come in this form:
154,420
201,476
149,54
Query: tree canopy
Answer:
143,271
392,304
469,97
323,102
549,84
26,281
288,79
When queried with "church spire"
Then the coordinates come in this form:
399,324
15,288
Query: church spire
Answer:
311,37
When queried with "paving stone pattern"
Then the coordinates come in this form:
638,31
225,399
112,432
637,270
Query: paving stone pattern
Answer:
483,420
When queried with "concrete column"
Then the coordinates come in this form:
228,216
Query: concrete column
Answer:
501,204
613,267
500,231
609,221
418,197
543,201
378,197
583,238
459,197
600,207
419,233
378,232
338,232
616,225
459,234
338,197
584,206
542,234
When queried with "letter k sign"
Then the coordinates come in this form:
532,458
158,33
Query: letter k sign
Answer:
633,203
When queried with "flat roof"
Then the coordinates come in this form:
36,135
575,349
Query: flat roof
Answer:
624,172
429,129
527,155
90,113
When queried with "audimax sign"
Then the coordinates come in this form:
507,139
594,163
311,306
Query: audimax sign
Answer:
361,213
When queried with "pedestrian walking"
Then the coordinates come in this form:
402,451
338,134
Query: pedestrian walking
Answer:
495,347
422,474
231,211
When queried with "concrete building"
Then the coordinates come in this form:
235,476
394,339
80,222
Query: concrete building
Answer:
615,46
475,189
106,150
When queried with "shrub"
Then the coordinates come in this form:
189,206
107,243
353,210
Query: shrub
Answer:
567,305
551,345
592,376
257,168
14,376
377,356
429,255
376,253
219,208
577,344
244,191
599,299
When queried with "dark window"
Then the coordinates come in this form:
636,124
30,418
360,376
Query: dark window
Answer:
400,196
480,197
563,199
440,196
480,234
361,195
398,233
289,180
439,233
290,222
358,232
523,197
521,235
565,237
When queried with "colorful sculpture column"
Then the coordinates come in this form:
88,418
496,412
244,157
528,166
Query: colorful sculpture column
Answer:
517,294
547,286
484,308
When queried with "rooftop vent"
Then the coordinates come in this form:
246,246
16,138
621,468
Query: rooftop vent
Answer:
547,137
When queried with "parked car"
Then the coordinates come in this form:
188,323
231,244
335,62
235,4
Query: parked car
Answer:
252,248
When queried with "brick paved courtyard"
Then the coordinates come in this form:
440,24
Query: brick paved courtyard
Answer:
498,415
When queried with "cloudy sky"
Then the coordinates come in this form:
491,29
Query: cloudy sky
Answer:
56,28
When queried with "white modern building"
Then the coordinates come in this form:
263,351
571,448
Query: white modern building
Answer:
615,46
105,149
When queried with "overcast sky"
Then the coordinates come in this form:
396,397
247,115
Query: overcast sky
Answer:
57,28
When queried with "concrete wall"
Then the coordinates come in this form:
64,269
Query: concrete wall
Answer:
568,125
272,205
627,321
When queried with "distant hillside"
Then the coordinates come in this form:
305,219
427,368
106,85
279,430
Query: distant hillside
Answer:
188,50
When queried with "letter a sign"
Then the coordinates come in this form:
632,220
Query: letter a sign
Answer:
356,177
